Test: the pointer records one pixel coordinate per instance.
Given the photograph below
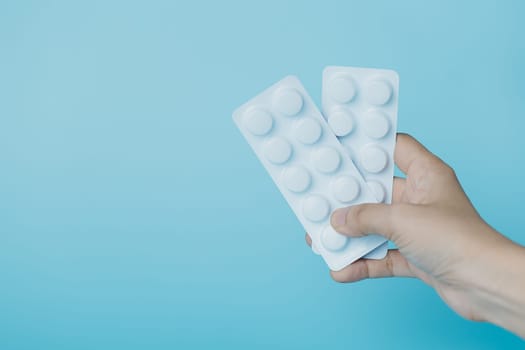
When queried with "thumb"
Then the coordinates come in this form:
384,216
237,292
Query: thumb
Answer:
361,220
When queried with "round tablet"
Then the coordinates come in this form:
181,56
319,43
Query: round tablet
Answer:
277,150
333,240
378,190
326,160
345,188
376,124
342,89
315,208
373,158
258,121
288,101
297,179
378,92
308,131
341,122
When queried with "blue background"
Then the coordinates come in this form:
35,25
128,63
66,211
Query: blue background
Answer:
133,214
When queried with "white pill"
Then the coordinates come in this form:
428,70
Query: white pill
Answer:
341,122
288,101
297,179
308,131
345,188
373,159
332,240
376,124
258,121
277,150
378,190
316,208
326,160
342,89
378,92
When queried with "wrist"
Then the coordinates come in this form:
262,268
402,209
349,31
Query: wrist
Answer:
500,285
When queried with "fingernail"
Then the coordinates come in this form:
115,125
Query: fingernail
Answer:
339,217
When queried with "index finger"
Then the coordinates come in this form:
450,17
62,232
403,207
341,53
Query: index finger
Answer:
408,150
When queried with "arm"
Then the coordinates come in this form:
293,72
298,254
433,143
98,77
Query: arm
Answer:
442,240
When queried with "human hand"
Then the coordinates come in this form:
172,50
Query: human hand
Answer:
441,240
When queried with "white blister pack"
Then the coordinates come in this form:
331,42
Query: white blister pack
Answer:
308,164
360,105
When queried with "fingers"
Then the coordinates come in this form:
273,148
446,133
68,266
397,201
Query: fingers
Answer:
397,196
364,219
394,264
407,150
398,189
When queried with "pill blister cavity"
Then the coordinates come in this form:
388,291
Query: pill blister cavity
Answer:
326,160
288,101
297,179
378,189
342,89
341,122
316,208
345,189
373,159
308,131
258,121
333,240
376,124
277,150
378,92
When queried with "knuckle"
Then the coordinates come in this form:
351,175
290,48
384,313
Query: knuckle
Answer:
389,264
355,214
446,170
442,169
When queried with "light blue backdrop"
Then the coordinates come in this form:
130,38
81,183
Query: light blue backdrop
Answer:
133,215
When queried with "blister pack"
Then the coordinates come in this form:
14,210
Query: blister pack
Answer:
360,105
309,166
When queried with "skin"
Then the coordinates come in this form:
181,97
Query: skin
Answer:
441,240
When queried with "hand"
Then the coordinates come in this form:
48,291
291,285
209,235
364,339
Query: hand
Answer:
442,240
